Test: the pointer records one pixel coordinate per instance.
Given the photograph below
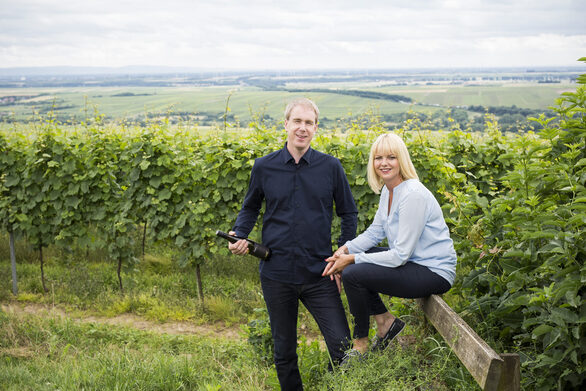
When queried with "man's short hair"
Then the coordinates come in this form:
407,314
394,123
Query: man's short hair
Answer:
302,102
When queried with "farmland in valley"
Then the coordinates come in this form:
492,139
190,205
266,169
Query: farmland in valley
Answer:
204,99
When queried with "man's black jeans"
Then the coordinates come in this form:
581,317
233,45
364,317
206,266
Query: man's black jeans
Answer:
322,300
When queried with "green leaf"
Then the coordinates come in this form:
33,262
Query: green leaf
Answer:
542,329
180,240
573,299
155,182
72,202
144,164
164,194
514,253
12,180
564,314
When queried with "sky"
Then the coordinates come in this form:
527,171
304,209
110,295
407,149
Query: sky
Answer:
302,34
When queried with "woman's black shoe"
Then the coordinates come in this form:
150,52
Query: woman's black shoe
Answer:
380,343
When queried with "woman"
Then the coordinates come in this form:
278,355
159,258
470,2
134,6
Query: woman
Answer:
420,260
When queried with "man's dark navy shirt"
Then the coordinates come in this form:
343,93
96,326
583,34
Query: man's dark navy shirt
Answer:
298,213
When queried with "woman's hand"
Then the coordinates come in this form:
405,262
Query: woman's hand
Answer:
337,263
331,260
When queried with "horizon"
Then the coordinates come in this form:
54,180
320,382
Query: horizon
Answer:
72,70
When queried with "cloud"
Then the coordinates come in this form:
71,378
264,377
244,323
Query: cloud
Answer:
308,34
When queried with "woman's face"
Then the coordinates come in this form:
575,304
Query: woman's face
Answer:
386,166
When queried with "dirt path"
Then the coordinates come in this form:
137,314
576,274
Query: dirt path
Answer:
130,320
171,327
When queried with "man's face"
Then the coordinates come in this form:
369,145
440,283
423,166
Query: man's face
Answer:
300,127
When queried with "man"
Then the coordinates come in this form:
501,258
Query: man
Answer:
299,186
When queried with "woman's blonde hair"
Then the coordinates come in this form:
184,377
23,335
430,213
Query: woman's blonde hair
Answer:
387,144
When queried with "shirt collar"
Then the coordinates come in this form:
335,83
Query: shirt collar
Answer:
286,155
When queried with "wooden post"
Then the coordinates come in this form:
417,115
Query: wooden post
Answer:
511,373
42,267
119,273
199,285
483,363
13,264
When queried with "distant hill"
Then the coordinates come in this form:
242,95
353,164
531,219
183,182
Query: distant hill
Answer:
154,70
73,70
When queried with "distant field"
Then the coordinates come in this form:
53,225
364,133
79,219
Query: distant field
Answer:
209,100
531,96
526,95
130,102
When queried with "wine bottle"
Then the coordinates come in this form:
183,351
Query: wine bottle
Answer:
254,248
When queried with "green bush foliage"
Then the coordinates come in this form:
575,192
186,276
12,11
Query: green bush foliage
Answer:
526,267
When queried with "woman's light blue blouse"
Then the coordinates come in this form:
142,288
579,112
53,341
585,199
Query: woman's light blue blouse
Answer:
415,230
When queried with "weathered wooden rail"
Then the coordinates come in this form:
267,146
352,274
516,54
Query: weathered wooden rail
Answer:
492,371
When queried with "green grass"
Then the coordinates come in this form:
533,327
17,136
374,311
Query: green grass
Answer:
156,288
59,354
50,353
67,350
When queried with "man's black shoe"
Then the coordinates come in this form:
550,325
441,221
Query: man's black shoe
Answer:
351,357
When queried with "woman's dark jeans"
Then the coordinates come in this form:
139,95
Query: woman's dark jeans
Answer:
364,281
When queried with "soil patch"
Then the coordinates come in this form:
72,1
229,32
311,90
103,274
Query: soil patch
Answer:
134,321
